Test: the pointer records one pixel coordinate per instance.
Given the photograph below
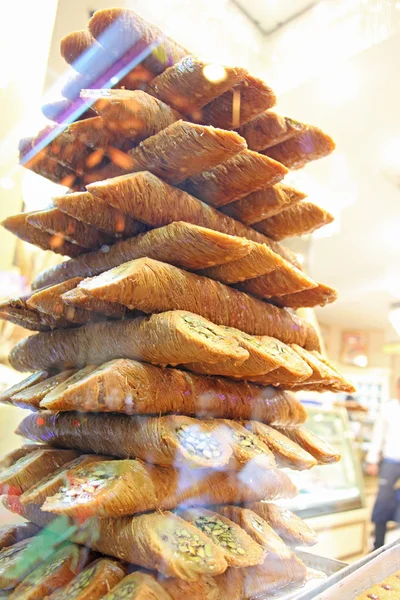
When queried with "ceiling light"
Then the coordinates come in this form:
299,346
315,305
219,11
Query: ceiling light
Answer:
394,317
361,360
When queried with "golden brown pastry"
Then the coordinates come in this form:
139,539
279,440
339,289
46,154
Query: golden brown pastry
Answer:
11,457
301,219
52,574
31,396
285,280
239,549
12,534
149,199
75,299
94,211
81,45
130,387
21,386
186,245
49,301
247,449
258,529
17,311
50,485
27,470
185,85
244,173
265,355
205,588
260,260
286,452
307,146
175,337
269,129
318,296
184,149
140,585
166,441
19,226
132,114
293,530
263,203
54,143
388,589
38,161
61,111
124,32
92,583
16,562
321,373
236,107
57,223
152,286
155,541
318,448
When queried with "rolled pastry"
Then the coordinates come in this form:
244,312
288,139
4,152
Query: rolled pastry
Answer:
173,338
94,582
301,219
31,396
323,452
305,147
293,530
269,129
318,296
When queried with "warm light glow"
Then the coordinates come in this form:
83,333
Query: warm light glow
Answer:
394,317
361,360
340,86
390,153
214,72
300,258
7,183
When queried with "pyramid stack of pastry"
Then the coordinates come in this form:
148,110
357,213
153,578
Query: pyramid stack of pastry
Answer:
166,349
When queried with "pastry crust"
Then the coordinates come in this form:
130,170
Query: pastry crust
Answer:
184,149
258,529
16,311
318,296
174,337
157,390
301,219
149,199
19,226
136,115
179,243
79,301
152,286
305,147
318,448
39,162
388,589
21,386
239,549
94,211
26,471
11,458
57,223
16,562
185,85
264,203
94,582
52,574
293,530
266,354
141,586
124,32
286,452
31,396
269,129
50,485
236,107
12,534
159,440
244,173
285,280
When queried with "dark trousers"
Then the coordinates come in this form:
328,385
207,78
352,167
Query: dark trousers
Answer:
386,500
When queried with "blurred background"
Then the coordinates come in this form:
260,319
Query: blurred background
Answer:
331,62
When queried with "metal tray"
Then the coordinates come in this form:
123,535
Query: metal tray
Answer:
319,569
350,582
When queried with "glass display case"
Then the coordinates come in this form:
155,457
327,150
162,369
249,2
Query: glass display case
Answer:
329,488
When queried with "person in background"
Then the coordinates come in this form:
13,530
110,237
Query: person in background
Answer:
385,447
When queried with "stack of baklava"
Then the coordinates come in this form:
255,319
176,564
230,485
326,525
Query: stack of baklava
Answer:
167,347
